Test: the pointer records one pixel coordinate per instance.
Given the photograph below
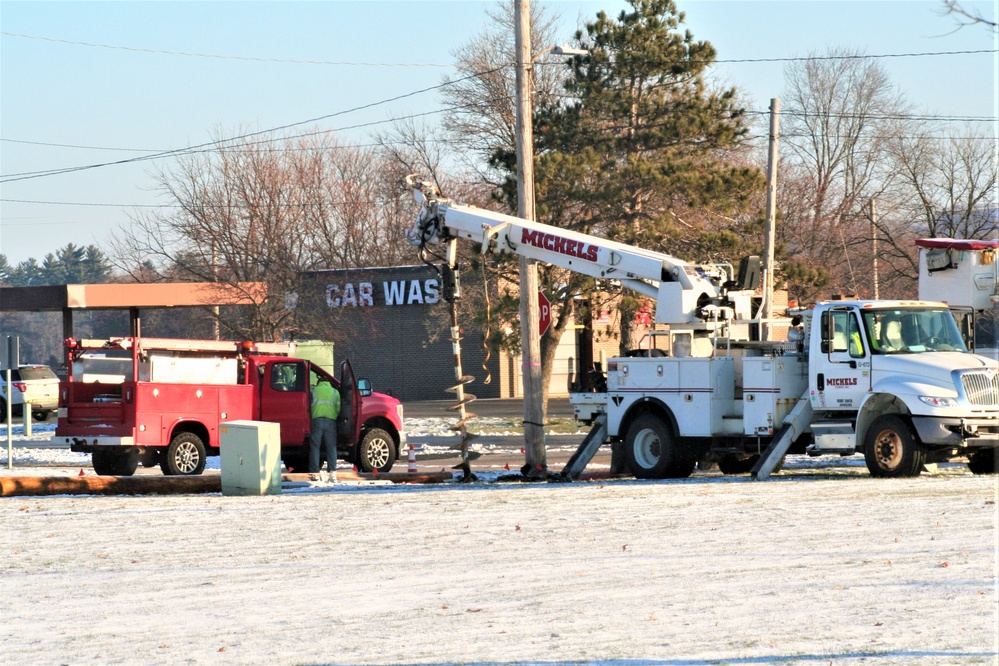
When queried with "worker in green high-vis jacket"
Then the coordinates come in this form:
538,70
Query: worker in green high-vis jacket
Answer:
325,410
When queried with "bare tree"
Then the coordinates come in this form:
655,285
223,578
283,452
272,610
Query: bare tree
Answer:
842,111
253,211
948,182
481,97
967,17
466,161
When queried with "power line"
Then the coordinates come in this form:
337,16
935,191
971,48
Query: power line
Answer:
218,56
858,56
6,178
223,57
70,145
307,204
785,112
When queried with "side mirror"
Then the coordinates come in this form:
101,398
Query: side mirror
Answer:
364,387
826,330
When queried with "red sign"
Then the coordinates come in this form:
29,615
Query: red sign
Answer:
544,313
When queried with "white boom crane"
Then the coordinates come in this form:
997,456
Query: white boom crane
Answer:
684,292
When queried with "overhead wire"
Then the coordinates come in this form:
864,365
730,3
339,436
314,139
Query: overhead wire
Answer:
342,63
220,144
5,178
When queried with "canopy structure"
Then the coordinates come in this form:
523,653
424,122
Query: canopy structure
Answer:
957,244
132,297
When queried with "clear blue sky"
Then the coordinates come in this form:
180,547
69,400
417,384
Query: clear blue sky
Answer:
106,104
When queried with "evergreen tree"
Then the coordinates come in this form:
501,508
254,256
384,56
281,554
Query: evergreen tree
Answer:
27,274
643,152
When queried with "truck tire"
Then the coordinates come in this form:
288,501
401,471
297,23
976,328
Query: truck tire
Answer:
376,451
984,461
114,463
185,456
296,462
891,450
736,465
653,453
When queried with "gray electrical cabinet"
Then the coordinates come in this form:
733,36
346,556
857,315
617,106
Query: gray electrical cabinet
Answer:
251,458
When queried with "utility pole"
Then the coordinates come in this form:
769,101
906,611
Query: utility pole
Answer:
768,256
536,464
874,243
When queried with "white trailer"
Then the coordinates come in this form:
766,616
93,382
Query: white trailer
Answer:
964,274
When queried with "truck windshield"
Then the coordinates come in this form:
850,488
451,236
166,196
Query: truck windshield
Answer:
912,330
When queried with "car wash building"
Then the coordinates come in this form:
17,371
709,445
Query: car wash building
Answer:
394,326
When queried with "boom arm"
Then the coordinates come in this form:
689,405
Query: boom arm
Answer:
680,289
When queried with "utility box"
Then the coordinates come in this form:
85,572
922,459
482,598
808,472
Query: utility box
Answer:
771,388
250,453
319,352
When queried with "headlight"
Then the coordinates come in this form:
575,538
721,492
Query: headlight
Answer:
934,401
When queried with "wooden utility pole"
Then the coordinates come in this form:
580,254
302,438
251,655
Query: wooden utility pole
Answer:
768,256
874,244
536,463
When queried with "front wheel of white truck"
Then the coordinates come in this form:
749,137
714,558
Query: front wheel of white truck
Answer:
891,449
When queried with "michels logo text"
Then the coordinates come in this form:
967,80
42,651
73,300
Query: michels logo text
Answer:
842,381
559,244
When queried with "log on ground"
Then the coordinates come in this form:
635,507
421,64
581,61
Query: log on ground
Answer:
11,486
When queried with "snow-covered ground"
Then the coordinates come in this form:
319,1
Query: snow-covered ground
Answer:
796,570
819,565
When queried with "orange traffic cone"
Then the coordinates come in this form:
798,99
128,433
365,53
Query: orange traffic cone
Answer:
81,472
412,460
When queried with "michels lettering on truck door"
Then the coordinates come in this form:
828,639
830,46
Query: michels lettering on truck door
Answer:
395,292
841,381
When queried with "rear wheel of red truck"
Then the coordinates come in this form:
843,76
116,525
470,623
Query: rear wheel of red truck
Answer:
185,456
376,451
114,463
296,462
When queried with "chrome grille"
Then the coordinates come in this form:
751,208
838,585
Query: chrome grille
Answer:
982,388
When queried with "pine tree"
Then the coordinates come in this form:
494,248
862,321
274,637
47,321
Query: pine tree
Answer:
643,152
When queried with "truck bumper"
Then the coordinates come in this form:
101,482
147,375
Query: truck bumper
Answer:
958,432
88,444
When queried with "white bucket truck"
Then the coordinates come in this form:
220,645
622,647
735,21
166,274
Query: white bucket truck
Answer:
892,380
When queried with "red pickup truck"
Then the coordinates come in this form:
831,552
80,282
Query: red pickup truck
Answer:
130,401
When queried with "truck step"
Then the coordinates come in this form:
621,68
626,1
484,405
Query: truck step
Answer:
794,425
832,437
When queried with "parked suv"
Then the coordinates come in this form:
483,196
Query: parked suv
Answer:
35,385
